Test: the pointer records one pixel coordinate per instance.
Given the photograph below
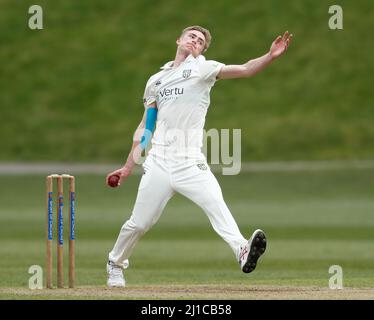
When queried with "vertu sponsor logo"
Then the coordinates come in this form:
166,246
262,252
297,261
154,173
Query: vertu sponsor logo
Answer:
169,92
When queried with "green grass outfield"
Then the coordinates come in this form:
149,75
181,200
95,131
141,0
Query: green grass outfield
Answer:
80,80
312,219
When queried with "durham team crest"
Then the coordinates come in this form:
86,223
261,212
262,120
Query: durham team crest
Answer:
186,73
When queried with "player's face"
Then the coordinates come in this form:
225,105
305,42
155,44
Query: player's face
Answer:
192,41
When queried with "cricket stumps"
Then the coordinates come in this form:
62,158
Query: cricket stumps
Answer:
60,229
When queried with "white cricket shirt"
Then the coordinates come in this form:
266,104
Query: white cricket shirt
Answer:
182,96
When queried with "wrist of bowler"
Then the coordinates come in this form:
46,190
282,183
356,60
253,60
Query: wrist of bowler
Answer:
124,173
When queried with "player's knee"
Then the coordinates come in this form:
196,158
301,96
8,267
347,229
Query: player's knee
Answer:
137,227
141,228
214,201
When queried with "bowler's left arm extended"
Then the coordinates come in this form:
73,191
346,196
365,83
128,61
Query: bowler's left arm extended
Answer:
249,69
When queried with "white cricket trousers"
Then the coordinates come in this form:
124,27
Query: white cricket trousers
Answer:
162,178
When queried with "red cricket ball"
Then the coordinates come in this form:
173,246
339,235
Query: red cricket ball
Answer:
114,180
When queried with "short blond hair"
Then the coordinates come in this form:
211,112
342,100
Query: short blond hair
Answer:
205,32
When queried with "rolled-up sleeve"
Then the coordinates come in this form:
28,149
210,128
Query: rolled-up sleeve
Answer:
210,70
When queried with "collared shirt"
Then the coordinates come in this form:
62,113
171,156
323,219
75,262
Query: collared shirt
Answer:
182,96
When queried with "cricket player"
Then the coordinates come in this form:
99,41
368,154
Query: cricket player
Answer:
176,101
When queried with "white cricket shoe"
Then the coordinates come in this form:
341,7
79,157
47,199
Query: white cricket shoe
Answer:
252,250
115,276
